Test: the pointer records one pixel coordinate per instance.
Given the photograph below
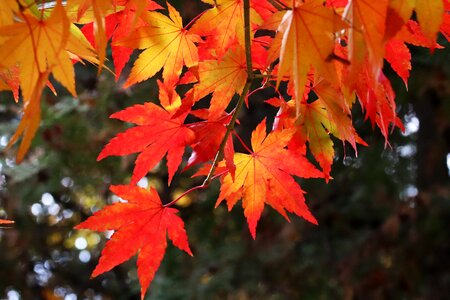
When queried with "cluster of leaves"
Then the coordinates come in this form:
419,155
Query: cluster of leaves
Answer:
317,57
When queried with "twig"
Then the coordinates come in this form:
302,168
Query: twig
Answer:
242,97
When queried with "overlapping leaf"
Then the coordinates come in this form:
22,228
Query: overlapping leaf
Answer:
378,101
223,24
223,79
168,45
141,225
308,32
366,35
100,8
118,26
39,48
208,137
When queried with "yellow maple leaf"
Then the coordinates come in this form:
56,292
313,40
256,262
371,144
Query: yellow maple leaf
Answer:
223,79
223,24
40,47
430,14
168,44
99,8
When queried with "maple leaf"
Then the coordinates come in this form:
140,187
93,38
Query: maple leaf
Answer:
264,176
45,40
37,46
445,26
168,45
141,225
100,9
208,137
157,133
377,99
338,112
397,52
7,10
399,57
329,114
9,80
119,25
223,24
430,15
412,33
308,40
223,79
366,36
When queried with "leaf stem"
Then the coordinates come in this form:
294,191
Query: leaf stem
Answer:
198,187
242,142
191,22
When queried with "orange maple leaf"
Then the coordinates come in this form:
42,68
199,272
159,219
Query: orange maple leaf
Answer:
430,14
223,24
7,10
308,32
366,36
38,47
378,100
141,224
157,133
264,176
168,45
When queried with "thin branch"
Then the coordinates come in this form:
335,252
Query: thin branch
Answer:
264,76
242,97
230,128
248,41
278,5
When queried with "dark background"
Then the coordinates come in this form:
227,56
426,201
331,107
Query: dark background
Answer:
384,219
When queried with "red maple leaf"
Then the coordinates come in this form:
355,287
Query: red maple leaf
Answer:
141,225
157,133
208,136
